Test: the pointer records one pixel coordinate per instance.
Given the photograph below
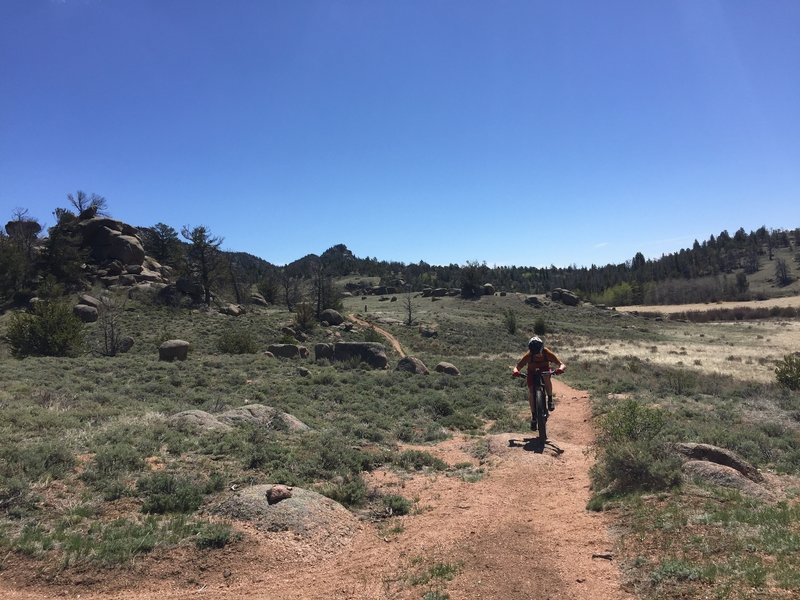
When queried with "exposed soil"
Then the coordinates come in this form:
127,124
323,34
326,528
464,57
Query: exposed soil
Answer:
788,301
393,341
529,505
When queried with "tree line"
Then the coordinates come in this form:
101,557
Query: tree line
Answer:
716,268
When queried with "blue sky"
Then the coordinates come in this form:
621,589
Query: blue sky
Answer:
512,132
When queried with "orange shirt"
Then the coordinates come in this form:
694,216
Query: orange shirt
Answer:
538,361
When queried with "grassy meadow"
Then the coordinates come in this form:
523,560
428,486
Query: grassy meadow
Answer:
91,473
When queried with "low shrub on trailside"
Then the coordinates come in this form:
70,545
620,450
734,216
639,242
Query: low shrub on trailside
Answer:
788,371
631,455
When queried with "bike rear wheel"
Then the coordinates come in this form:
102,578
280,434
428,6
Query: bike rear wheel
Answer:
541,414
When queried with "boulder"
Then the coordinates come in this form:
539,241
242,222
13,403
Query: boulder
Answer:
534,301
371,353
259,415
565,296
186,286
488,289
146,275
232,310
306,514
331,316
724,476
412,364
110,244
23,228
173,349
722,456
125,344
287,350
197,420
89,300
447,368
276,493
87,314
323,351
428,331
258,299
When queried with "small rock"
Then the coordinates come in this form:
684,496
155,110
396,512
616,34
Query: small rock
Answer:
277,493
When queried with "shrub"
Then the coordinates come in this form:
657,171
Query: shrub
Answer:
788,371
510,321
371,335
215,535
397,505
304,317
416,460
352,491
539,327
237,341
166,493
114,460
36,461
50,329
631,457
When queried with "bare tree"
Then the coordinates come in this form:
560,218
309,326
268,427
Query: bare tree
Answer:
409,306
110,339
292,293
82,203
782,272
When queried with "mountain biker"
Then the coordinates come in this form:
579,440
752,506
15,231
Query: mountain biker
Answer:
539,357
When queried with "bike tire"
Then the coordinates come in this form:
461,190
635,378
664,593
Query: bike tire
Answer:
541,415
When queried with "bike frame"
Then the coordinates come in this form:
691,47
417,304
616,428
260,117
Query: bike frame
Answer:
539,399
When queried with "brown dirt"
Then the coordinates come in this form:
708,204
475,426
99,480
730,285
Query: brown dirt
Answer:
788,301
393,341
531,503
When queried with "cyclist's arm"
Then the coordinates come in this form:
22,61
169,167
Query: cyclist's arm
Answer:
522,362
554,359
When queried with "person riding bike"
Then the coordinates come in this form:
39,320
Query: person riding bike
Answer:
539,357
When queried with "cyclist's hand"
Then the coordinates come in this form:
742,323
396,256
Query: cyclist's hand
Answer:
515,372
559,370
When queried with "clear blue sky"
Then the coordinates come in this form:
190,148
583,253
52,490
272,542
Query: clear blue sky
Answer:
526,132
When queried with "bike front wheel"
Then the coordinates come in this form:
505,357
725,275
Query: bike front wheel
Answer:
541,414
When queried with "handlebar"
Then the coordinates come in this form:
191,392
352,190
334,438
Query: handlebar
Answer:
516,373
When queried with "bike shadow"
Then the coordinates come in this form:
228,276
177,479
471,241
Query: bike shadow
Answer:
535,444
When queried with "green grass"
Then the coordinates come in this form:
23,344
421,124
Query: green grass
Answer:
115,446
735,547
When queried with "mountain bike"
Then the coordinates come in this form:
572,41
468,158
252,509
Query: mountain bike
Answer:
539,395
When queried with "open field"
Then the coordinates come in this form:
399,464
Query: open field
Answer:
790,301
89,451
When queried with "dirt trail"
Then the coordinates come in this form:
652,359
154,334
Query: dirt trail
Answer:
529,503
395,343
